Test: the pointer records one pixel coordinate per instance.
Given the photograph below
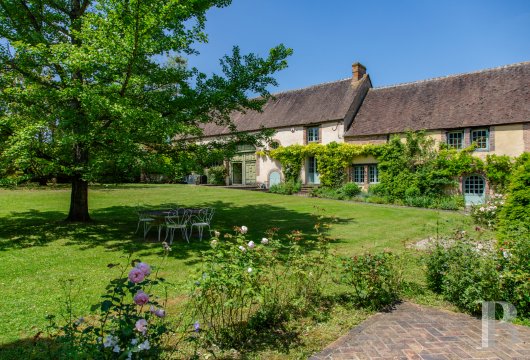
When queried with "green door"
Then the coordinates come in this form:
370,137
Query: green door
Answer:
474,190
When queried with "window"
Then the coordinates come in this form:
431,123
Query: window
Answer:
358,174
373,174
474,185
481,138
455,139
313,134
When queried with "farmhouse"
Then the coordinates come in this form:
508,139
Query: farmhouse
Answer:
490,108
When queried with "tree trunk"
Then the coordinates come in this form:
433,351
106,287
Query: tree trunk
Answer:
79,196
79,201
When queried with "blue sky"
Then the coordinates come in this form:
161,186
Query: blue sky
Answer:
398,41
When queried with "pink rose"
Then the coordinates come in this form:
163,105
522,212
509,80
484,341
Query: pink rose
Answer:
141,326
136,275
141,298
146,269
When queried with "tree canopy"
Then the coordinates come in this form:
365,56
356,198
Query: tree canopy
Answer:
87,82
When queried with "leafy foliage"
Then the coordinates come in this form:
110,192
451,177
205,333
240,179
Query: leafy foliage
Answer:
465,274
514,259
345,192
376,279
88,82
487,214
286,188
245,288
332,159
217,174
514,218
130,322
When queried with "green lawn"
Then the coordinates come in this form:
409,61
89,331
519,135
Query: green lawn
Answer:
38,251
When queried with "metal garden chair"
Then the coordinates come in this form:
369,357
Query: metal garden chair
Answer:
145,219
201,220
177,220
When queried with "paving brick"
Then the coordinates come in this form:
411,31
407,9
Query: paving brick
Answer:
414,332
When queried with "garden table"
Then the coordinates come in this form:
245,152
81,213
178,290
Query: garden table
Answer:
160,215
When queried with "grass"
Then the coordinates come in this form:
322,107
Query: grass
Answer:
39,252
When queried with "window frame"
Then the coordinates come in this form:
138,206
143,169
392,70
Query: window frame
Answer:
313,131
354,173
453,132
375,174
487,138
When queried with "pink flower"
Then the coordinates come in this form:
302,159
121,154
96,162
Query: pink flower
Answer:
136,275
146,269
141,326
160,313
141,298
251,245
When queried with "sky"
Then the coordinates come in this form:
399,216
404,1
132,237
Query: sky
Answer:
397,41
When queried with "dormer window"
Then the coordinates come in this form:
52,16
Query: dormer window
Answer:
313,134
481,138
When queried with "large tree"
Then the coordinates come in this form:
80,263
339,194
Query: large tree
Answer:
86,81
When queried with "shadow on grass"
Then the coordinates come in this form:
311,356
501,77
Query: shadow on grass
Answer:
113,227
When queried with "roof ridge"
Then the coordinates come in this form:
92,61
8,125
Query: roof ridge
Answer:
309,87
451,76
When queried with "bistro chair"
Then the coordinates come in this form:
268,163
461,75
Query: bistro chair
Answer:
177,220
201,220
145,219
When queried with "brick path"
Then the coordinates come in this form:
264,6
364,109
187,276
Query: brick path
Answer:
416,332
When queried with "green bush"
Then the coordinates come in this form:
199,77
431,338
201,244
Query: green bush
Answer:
350,189
419,201
246,288
464,275
377,200
345,192
514,260
217,175
287,188
437,263
515,215
376,279
412,191
450,202
328,193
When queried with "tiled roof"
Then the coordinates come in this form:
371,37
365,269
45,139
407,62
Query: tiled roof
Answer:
488,97
311,105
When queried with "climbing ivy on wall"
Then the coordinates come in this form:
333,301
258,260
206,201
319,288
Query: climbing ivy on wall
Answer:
332,159
413,167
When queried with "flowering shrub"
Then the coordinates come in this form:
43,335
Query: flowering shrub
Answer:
465,272
375,279
514,267
486,214
129,325
249,286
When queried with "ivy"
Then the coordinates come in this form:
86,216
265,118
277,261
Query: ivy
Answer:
409,167
332,159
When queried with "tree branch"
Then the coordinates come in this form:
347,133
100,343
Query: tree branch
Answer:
128,72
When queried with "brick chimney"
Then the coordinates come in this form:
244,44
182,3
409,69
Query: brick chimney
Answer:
358,71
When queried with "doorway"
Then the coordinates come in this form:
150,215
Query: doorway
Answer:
312,171
474,190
